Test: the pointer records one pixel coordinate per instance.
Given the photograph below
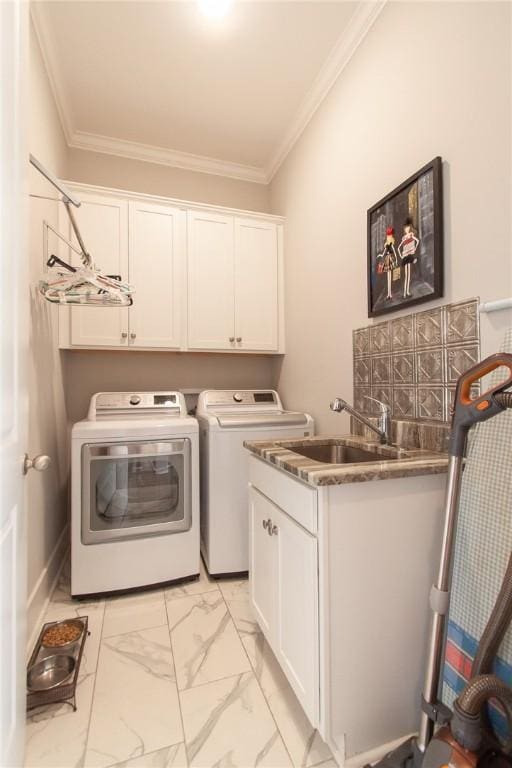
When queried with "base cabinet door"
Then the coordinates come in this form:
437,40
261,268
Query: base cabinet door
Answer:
284,595
297,609
103,222
263,564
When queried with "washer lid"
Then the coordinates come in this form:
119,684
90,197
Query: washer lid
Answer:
269,419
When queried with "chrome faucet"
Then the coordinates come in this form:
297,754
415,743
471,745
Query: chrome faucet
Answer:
383,430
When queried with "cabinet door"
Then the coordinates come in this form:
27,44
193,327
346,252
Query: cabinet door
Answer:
156,248
297,587
210,281
103,223
263,564
256,285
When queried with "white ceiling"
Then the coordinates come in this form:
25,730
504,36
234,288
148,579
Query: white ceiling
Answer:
161,82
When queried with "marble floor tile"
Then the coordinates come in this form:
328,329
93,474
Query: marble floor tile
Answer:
130,613
205,643
135,706
236,595
56,736
168,757
303,742
228,723
234,588
203,584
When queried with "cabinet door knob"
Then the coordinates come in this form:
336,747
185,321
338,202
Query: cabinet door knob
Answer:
265,524
239,339
274,530
124,335
133,335
231,338
269,527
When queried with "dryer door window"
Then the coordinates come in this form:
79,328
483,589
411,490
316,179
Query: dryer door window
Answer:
135,489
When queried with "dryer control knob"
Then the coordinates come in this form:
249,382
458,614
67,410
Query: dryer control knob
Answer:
237,397
134,400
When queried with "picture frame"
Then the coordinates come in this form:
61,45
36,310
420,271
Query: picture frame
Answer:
405,243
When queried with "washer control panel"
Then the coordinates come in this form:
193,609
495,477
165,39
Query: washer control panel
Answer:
124,403
242,398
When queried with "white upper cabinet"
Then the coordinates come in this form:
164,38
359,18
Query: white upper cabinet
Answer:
103,223
211,302
157,250
204,279
256,285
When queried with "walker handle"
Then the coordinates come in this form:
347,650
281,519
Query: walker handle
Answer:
466,411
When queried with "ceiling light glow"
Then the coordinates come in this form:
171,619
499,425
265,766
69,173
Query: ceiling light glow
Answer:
215,9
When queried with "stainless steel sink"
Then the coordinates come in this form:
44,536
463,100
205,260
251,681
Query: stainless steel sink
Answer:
329,453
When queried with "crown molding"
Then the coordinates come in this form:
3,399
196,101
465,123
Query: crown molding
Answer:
359,25
162,156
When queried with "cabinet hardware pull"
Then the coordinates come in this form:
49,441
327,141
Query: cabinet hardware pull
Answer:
239,339
274,530
265,524
269,527
133,335
231,338
124,335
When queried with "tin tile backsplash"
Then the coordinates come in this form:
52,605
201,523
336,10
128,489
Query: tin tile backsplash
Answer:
413,362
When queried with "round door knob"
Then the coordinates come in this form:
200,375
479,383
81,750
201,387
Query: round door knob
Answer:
39,463
239,339
231,338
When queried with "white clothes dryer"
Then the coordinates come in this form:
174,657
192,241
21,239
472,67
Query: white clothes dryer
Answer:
226,419
134,493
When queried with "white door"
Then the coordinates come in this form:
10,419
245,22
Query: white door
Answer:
262,566
14,292
256,285
210,281
103,223
156,259
297,580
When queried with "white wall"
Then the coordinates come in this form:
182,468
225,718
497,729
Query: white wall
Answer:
46,492
429,79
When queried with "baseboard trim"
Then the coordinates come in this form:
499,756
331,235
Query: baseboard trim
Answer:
39,598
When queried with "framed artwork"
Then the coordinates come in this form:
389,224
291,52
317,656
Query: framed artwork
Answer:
405,243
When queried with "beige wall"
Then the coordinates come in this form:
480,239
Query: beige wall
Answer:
153,179
46,492
429,79
89,372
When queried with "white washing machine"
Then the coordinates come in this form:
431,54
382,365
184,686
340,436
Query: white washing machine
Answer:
226,419
134,493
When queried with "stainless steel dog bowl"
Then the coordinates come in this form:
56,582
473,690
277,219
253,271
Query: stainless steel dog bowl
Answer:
68,622
50,672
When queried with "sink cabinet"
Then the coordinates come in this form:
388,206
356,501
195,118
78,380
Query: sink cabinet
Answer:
340,590
284,594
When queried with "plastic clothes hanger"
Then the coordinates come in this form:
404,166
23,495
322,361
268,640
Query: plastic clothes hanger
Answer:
85,285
